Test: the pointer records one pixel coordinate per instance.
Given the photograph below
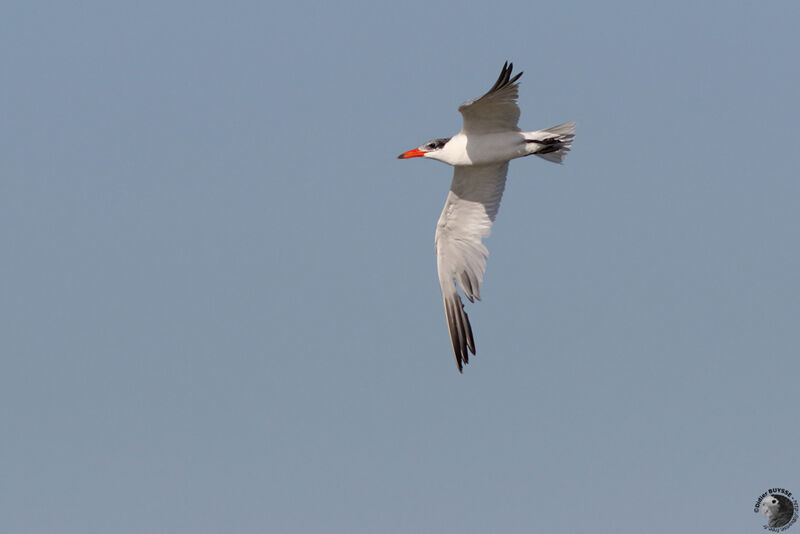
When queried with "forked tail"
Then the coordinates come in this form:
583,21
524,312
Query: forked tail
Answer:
553,143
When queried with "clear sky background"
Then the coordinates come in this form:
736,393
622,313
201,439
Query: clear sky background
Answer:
220,309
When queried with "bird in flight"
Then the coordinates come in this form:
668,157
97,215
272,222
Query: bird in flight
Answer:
480,152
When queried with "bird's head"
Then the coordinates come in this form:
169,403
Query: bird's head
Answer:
769,506
428,150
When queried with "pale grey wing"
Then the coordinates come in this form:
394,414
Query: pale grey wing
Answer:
497,110
466,219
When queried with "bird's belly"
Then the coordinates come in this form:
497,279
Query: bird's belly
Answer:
495,148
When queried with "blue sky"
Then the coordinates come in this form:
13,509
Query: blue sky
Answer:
220,302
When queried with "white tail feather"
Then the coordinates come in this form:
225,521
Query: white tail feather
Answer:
552,143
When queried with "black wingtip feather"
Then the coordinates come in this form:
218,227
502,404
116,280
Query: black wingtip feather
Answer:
460,330
505,77
470,340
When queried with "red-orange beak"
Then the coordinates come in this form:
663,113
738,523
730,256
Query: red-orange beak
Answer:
416,153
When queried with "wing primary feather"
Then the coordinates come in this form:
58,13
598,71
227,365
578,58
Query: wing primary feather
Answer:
451,327
467,330
460,333
469,339
503,76
460,330
466,283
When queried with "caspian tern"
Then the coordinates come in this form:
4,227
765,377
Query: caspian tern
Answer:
480,152
778,509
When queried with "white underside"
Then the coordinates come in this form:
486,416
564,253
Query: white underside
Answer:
493,148
483,149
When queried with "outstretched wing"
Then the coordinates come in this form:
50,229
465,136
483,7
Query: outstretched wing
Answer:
466,219
497,110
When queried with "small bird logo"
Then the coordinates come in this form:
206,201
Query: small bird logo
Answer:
778,509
